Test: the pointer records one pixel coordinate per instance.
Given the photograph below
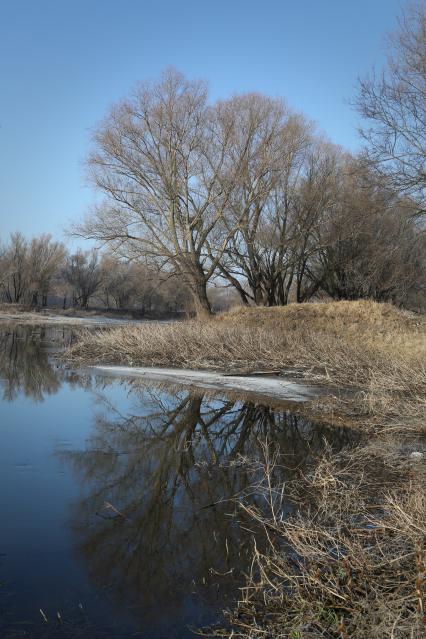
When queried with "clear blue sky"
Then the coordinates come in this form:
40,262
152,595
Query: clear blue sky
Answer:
63,62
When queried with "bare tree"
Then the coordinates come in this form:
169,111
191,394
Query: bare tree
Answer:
15,273
254,261
159,165
83,273
168,164
394,105
135,286
369,245
315,201
267,258
45,257
118,282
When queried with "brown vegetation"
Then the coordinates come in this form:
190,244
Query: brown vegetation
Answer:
374,347
349,563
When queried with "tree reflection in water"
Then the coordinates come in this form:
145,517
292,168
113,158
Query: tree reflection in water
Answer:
25,365
156,522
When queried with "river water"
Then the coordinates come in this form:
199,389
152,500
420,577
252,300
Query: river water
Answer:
118,498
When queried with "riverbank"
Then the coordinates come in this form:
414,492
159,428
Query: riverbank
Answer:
349,561
375,348
18,314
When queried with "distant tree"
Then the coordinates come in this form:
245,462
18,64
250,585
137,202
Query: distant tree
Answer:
45,257
83,273
15,272
133,285
119,285
394,105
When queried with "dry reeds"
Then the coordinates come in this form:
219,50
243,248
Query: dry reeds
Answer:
374,347
350,563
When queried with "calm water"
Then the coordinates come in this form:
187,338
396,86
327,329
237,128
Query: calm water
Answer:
115,503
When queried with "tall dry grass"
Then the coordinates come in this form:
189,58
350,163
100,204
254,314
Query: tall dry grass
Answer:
375,347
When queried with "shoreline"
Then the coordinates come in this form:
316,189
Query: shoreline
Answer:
359,363
39,318
372,355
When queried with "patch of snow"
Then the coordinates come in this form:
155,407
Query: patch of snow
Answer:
275,387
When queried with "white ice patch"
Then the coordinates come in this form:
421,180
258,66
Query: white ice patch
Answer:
276,387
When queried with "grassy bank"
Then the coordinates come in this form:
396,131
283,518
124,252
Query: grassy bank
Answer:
350,563
376,348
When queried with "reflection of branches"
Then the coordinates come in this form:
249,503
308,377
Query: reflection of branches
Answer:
166,474
24,363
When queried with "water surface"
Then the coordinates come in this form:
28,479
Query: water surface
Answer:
117,498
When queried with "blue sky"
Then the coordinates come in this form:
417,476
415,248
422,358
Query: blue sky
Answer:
63,62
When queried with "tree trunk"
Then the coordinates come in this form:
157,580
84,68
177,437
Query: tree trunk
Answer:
236,284
203,309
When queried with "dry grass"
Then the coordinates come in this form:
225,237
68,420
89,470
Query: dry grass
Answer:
374,347
353,316
350,564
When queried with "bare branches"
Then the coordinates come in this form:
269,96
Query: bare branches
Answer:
394,105
244,191
28,268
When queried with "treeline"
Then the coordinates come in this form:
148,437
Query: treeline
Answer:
41,272
245,193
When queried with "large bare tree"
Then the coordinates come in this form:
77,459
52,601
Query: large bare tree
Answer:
159,161
268,257
168,164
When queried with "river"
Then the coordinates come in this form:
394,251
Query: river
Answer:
119,498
